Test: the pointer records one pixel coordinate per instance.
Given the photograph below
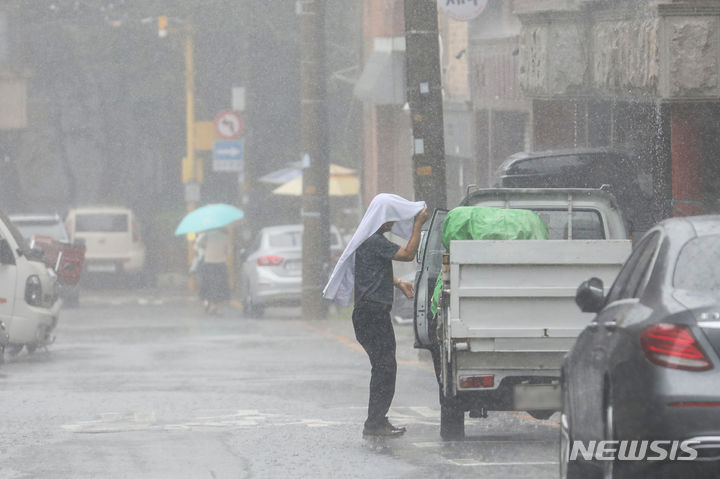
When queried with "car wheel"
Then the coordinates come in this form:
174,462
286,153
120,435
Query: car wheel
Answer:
613,469
452,420
577,468
250,309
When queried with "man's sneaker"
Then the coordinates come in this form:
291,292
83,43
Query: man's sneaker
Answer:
385,430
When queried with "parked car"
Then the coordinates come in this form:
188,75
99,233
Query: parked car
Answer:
271,273
585,168
48,232
30,308
112,239
648,365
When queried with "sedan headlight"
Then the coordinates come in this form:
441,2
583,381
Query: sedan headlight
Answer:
33,291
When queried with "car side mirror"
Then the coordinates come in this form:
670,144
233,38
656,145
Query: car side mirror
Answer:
6,254
590,295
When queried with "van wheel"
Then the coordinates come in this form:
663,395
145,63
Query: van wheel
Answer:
452,420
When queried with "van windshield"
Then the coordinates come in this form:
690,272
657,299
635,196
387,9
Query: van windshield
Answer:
101,223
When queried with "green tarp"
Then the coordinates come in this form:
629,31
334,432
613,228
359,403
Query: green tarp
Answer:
487,223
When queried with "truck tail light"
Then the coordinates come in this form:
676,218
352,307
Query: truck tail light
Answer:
270,260
469,382
673,346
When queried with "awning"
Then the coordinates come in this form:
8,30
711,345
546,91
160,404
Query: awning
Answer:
338,185
383,79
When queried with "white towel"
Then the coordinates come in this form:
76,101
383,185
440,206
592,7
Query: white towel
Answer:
383,208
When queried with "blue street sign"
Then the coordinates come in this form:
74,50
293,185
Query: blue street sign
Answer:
228,155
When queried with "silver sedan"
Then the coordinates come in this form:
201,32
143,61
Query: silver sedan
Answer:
271,273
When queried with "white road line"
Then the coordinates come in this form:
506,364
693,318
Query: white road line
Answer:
443,444
476,463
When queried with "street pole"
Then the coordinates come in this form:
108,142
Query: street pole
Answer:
424,95
190,166
314,144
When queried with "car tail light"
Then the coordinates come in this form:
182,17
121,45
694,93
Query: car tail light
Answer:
269,260
467,382
673,346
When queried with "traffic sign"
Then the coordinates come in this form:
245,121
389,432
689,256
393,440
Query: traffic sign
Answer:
228,124
228,155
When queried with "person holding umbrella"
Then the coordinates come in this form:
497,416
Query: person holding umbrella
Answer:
213,245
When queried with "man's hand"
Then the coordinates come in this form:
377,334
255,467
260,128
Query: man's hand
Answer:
407,288
422,217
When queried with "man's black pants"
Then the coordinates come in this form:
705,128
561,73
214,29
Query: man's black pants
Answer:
374,331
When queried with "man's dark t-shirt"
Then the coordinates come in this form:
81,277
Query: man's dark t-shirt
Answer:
374,271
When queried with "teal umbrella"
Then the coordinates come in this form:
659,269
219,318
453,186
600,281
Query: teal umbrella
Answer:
208,217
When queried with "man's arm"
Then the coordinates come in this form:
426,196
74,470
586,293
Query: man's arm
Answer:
410,250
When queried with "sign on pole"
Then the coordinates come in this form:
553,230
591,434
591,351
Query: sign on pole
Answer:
462,10
228,155
228,124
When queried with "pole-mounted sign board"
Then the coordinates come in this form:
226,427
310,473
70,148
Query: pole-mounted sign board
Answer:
462,10
228,155
228,125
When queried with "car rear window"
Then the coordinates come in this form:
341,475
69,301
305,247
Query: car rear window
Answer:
287,239
101,223
696,268
53,229
293,239
586,224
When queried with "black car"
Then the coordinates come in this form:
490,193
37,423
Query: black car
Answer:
645,373
584,168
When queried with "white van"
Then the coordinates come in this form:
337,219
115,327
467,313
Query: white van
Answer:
29,303
112,239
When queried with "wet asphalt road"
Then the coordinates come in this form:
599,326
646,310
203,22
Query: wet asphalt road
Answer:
143,385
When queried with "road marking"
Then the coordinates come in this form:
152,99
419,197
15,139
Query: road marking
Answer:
476,463
146,421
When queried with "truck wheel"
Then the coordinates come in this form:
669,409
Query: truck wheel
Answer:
541,414
452,421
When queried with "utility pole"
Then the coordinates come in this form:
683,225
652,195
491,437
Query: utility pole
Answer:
192,174
424,95
314,147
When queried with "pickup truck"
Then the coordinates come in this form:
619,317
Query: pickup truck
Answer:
506,314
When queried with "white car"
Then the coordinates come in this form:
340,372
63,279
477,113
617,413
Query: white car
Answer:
112,239
29,303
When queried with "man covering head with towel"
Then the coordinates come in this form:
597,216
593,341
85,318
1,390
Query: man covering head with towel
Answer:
366,267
